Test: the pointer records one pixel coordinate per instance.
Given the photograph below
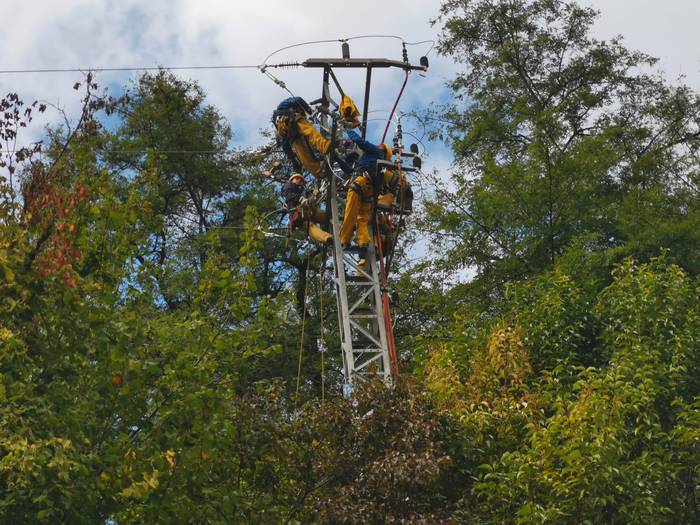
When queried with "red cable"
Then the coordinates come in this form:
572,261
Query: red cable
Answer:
391,115
393,358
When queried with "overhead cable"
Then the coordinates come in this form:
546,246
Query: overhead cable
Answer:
108,69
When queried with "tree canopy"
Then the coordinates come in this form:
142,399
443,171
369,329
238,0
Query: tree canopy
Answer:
153,364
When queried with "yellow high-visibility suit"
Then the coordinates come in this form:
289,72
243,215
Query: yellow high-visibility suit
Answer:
305,137
348,111
358,209
396,185
358,206
301,213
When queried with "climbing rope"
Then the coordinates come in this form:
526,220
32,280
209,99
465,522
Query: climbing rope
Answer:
322,343
303,323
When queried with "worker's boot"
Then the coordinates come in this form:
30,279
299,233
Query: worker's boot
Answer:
362,265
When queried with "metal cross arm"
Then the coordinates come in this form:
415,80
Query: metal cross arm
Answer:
362,63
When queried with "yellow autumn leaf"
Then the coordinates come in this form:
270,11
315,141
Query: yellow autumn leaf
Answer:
170,458
152,480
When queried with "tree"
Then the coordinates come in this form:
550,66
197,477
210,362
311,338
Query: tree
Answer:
104,389
174,146
558,136
613,445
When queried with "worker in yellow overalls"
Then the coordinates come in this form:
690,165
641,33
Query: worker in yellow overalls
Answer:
301,214
301,141
367,183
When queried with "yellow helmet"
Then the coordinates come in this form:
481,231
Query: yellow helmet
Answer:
297,175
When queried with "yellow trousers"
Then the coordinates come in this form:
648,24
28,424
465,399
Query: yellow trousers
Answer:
358,206
309,220
305,130
306,218
358,210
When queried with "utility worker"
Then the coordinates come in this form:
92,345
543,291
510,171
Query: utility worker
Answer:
301,214
299,137
301,141
367,184
397,194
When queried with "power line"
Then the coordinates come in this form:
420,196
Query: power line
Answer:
108,69
149,151
261,67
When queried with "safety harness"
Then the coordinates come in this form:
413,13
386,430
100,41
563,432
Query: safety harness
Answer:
379,185
285,119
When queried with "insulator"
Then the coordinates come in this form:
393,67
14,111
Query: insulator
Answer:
346,50
398,137
405,53
288,64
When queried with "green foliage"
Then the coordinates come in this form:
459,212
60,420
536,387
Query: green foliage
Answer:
555,314
149,337
105,387
579,445
558,136
386,458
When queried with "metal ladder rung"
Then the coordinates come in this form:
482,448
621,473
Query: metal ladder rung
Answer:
364,332
359,272
369,361
361,278
362,299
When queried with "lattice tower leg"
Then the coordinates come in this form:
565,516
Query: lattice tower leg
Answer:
363,336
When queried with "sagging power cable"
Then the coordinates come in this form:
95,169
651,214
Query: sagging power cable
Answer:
347,39
113,69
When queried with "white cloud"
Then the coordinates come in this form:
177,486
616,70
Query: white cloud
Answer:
667,30
110,33
127,33
107,33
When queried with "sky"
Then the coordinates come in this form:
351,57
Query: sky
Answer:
137,33
127,33
86,34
